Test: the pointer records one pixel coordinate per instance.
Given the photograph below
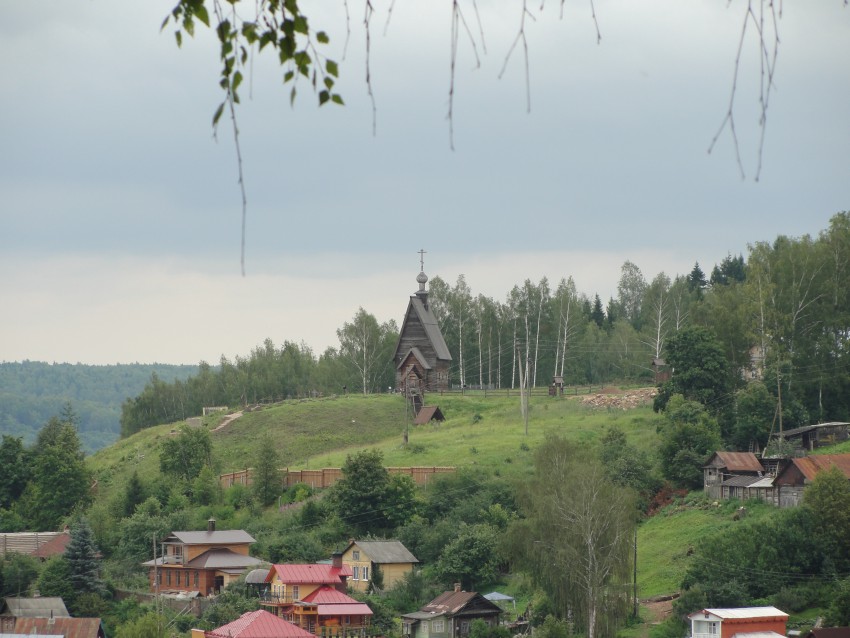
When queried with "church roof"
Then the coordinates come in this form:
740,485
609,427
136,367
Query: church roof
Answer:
432,328
419,357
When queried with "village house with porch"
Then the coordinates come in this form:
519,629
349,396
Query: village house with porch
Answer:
312,596
201,563
450,615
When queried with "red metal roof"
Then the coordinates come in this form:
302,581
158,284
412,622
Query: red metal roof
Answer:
325,595
309,574
259,624
810,466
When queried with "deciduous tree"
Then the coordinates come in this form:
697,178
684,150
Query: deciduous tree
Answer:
576,539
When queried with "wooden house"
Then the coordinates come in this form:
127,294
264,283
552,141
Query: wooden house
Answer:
66,627
747,488
363,557
758,622
30,542
811,437
201,562
722,466
450,615
792,481
421,358
40,607
255,624
312,596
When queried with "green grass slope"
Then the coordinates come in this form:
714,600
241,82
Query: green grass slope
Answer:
479,431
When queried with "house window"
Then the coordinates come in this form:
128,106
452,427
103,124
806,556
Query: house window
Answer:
355,572
365,573
355,555
168,577
197,579
464,627
438,626
348,620
295,592
186,580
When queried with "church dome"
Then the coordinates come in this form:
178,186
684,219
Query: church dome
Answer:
422,278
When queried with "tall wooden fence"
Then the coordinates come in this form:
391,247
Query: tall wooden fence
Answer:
327,476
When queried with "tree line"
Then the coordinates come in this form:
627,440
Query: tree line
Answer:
781,315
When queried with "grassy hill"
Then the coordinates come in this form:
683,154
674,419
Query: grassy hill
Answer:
479,431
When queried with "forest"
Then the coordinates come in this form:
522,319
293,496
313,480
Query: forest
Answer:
781,314
31,392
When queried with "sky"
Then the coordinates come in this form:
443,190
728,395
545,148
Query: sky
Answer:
120,211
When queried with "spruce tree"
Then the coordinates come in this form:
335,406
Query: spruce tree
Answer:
84,560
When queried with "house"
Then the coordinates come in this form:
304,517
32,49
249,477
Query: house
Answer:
312,596
65,627
811,437
26,542
450,615
391,557
255,624
791,482
724,465
421,358
54,547
14,608
201,563
755,622
750,487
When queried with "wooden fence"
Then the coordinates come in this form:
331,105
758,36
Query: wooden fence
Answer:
326,477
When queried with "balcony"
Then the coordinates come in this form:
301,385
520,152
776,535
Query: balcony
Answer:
275,600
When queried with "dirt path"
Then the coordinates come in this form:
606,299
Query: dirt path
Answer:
230,418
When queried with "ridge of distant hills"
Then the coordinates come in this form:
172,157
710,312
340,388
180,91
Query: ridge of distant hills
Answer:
33,391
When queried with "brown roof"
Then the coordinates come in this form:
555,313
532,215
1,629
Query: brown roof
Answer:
452,602
223,537
68,627
54,547
738,461
24,542
810,466
428,413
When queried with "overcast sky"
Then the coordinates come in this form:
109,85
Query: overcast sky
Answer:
120,214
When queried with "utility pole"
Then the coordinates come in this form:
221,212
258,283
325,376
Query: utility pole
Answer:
634,580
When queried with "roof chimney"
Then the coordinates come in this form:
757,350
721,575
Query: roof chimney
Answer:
211,525
336,559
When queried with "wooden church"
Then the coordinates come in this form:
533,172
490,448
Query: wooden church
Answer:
422,358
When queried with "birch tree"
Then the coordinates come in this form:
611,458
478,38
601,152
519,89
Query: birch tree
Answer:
656,313
576,539
366,346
